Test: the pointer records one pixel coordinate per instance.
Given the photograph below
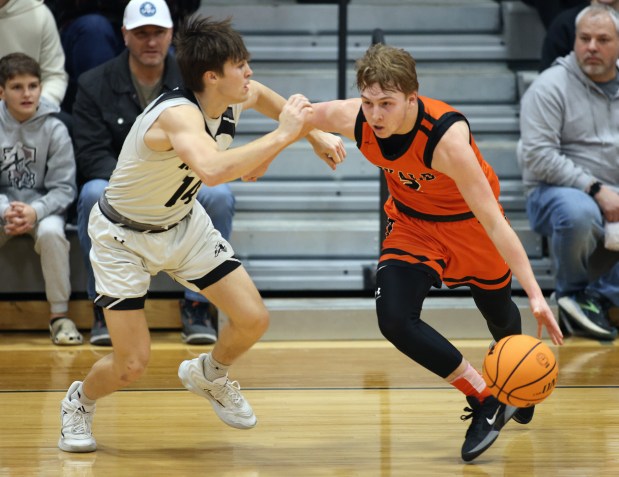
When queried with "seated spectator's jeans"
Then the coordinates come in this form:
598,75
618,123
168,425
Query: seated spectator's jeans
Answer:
218,201
573,224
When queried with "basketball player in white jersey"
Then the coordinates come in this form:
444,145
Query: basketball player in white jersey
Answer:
149,221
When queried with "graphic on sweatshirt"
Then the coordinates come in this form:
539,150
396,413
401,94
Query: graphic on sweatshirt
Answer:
15,162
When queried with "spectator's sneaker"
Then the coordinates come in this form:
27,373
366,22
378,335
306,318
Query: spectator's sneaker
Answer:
224,395
198,323
589,312
76,422
64,332
524,415
564,324
99,335
489,418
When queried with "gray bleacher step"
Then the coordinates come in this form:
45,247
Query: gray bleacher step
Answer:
355,318
291,234
470,83
285,234
325,47
406,16
362,195
313,274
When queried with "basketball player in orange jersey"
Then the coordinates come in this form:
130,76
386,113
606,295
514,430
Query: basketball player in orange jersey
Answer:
445,225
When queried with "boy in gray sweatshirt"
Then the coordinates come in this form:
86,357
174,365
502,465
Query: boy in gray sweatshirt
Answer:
37,182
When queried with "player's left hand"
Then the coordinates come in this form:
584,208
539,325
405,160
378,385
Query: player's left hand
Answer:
329,147
545,318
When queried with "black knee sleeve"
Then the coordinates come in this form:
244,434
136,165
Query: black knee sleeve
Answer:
501,313
400,292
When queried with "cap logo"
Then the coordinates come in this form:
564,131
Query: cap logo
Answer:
147,9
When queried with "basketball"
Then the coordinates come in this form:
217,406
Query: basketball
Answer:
520,370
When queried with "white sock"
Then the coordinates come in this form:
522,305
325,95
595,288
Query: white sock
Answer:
214,369
79,396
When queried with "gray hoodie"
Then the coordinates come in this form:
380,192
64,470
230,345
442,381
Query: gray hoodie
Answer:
37,165
569,130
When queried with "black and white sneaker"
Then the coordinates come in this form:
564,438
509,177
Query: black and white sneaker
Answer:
524,415
587,312
488,418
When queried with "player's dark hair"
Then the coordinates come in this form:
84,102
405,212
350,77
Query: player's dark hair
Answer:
202,45
393,69
15,64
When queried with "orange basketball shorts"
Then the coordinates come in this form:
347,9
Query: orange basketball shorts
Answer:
458,253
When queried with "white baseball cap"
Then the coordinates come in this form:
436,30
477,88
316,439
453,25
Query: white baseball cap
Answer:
147,12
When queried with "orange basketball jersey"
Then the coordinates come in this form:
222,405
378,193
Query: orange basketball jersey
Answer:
416,188
430,224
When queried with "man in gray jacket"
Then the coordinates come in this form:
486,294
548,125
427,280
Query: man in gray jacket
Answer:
569,156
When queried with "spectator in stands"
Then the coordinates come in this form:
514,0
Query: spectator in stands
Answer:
559,39
90,32
568,155
548,10
37,182
445,225
90,36
27,26
109,99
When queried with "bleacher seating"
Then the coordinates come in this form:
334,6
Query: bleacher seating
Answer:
305,227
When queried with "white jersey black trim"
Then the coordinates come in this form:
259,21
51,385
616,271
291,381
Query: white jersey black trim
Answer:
227,125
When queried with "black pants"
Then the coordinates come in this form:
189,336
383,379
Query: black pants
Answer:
401,290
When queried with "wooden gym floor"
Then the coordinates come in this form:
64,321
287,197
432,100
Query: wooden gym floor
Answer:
354,408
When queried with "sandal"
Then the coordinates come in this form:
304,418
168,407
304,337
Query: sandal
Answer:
64,332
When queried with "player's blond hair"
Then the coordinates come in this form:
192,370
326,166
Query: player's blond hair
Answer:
393,69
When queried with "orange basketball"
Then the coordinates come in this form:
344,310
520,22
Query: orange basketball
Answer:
520,370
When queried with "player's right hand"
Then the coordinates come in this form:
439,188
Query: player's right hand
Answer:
294,116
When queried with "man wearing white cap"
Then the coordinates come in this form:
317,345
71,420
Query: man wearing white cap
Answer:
109,99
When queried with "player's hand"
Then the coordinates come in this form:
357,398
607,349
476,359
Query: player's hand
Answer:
328,147
545,318
294,116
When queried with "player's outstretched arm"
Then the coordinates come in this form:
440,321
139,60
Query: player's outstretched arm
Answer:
182,128
328,147
455,157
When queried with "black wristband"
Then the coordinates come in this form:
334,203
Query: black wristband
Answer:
595,188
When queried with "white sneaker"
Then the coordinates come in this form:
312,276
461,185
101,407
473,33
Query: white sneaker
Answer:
225,396
75,434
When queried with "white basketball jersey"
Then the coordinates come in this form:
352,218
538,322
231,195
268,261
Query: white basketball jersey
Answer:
157,188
